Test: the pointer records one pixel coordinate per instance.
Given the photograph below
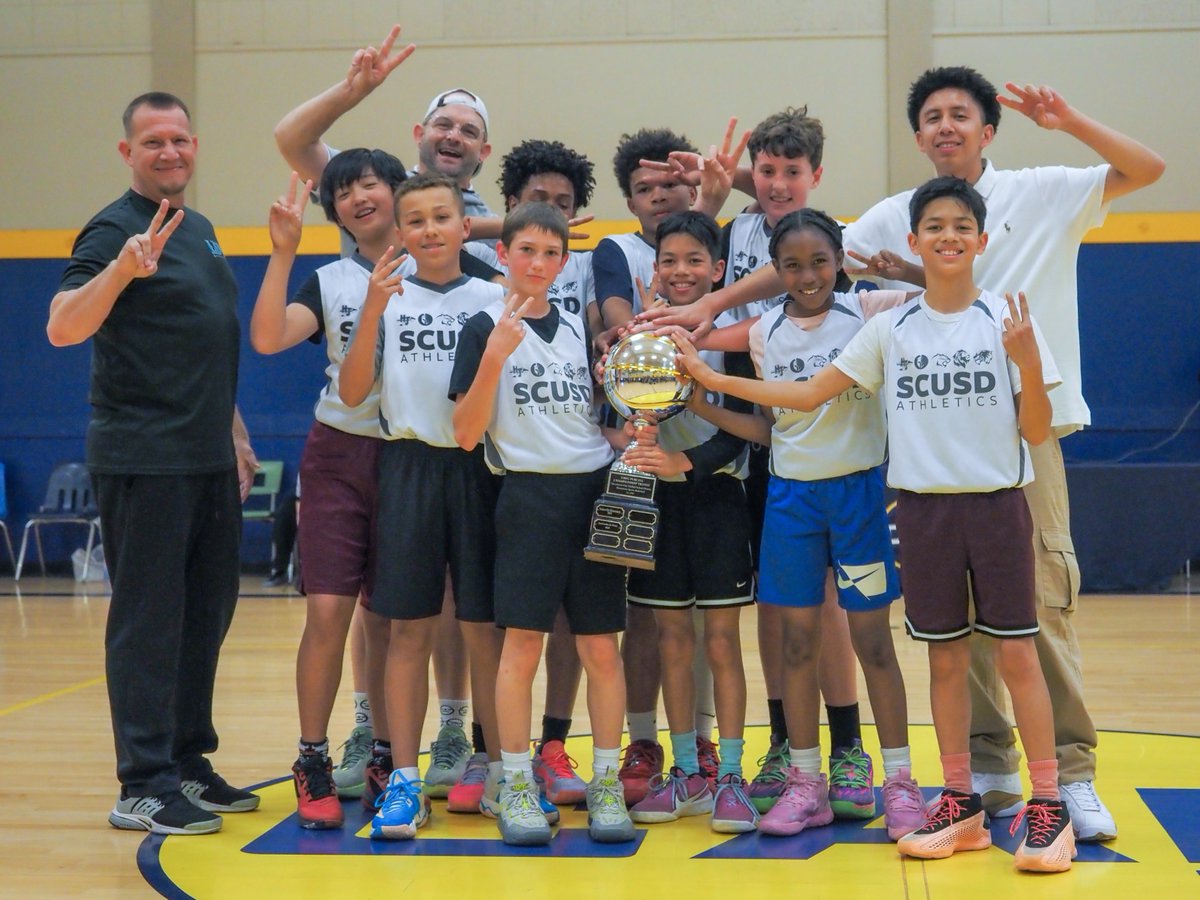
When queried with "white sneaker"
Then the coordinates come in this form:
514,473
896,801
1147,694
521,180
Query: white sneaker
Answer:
1089,816
1003,796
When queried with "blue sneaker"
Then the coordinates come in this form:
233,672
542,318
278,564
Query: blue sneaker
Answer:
402,810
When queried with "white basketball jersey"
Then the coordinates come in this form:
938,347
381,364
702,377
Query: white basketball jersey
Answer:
749,251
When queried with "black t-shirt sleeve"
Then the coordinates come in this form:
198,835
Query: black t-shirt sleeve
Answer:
722,448
475,267
468,352
610,272
309,296
98,244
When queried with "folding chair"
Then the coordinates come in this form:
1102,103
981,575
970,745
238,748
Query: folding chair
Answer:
69,501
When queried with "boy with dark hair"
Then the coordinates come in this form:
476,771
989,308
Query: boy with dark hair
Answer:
700,469
522,378
407,344
964,378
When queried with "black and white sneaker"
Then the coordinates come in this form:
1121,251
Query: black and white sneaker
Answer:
169,813
213,793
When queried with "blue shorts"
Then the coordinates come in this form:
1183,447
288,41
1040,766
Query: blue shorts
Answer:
810,526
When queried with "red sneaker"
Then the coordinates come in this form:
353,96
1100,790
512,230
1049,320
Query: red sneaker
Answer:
375,778
710,762
317,802
643,760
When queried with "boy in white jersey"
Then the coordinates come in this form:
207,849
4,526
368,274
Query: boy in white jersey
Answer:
825,508
700,495
338,464
435,501
963,394
522,383
549,172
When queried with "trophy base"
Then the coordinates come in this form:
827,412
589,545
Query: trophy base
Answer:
623,532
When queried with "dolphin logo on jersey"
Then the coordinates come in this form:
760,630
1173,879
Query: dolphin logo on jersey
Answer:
961,358
941,360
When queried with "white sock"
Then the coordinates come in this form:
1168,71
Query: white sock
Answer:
895,759
704,725
362,711
496,770
807,761
454,713
643,726
605,761
516,764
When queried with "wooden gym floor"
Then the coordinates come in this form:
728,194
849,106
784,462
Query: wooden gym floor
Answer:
1140,656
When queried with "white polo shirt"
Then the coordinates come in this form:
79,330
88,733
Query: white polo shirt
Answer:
1036,220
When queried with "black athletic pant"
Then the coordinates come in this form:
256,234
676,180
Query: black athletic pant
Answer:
172,547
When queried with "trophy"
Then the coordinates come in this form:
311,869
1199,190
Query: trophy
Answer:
643,384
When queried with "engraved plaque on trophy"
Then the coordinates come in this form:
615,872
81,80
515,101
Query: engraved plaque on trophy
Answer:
643,384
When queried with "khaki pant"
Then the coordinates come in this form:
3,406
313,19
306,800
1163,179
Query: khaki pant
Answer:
993,744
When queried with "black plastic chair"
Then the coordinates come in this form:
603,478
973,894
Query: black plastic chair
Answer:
69,501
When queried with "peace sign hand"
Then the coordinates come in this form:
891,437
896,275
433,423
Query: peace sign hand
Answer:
648,293
1020,342
286,220
384,281
510,330
1044,105
369,67
139,256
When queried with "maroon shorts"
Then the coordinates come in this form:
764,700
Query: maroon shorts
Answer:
948,540
337,512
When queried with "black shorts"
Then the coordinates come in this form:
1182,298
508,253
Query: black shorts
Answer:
435,510
542,526
702,556
946,539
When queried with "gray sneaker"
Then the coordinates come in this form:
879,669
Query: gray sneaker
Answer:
348,777
608,819
522,822
169,813
448,757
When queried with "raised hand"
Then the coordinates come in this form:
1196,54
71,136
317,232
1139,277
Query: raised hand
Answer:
1044,105
572,224
286,220
384,280
884,264
510,330
648,293
730,156
139,256
1020,342
369,67
716,183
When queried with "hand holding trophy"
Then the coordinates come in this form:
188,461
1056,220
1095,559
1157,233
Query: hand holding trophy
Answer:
643,384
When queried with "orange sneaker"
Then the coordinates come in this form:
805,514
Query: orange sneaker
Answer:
955,823
317,801
1049,844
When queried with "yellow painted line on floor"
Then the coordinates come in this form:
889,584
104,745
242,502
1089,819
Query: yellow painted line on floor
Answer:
61,692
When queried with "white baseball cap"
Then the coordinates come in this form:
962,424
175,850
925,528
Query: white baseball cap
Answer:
458,97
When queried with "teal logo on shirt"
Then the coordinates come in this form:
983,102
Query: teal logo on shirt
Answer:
214,248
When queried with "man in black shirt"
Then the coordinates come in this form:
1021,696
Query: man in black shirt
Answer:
160,301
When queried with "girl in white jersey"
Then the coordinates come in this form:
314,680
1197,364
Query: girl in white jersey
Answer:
825,508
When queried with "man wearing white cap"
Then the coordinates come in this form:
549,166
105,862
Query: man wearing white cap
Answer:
452,138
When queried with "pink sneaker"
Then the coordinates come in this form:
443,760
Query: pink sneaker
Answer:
803,804
903,805
554,771
673,796
464,797
733,812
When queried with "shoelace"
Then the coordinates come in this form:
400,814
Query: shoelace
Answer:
1084,794
607,798
947,809
903,794
402,792
737,788
559,763
851,769
445,754
636,758
355,750
1043,822
316,778
475,773
773,766
523,800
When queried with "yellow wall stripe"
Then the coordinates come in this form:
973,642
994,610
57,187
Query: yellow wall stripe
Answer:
1120,228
